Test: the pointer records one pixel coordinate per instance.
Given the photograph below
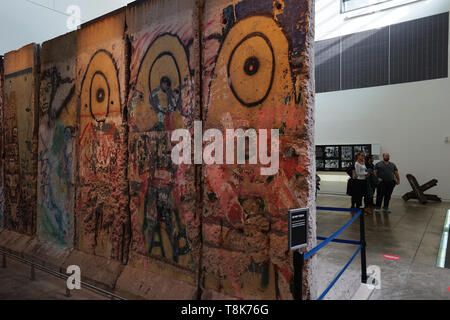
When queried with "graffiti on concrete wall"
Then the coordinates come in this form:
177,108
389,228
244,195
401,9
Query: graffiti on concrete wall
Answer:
162,100
20,130
57,132
250,81
2,162
12,186
106,183
102,204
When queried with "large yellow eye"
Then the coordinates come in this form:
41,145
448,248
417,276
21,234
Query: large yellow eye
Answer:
100,91
251,69
99,97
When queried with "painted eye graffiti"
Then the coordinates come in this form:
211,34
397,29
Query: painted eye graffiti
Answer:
99,97
251,66
161,81
100,93
251,69
164,84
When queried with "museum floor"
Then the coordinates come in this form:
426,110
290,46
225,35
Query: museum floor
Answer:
15,284
412,232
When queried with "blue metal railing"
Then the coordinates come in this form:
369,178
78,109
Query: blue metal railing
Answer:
300,257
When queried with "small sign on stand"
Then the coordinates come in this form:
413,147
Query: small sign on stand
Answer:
298,228
298,238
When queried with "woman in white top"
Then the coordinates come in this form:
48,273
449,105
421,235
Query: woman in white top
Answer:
360,176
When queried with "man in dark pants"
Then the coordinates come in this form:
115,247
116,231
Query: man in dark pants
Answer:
389,177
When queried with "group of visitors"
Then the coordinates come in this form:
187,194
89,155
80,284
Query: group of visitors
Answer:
366,178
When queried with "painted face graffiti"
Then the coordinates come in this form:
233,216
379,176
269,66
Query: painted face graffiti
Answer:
161,103
102,161
164,85
100,90
100,98
166,97
54,88
251,86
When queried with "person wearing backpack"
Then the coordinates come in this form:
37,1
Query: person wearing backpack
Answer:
372,182
351,183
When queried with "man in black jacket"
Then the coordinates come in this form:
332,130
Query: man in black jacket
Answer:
389,177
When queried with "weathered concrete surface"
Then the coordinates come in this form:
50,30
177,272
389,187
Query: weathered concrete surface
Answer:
95,270
29,247
57,141
257,75
17,286
20,129
2,149
139,283
112,93
46,253
102,215
162,98
14,242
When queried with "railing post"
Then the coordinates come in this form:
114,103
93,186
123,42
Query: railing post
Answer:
362,234
298,274
4,260
32,273
68,294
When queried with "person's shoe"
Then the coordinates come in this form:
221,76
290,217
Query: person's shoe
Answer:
377,210
386,210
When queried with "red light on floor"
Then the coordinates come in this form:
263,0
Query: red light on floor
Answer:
391,257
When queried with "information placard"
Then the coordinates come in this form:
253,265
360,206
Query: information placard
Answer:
298,228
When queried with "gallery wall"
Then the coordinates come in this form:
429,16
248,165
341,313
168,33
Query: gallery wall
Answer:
408,120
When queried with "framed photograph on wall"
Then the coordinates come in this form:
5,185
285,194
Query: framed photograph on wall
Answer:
347,153
338,157
331,152
331,164
346,164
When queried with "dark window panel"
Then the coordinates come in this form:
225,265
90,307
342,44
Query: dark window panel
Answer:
365,59
327,65
419,49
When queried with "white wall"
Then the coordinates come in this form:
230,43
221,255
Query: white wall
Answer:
409,120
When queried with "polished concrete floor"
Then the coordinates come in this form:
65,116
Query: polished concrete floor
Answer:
15,284
411,231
